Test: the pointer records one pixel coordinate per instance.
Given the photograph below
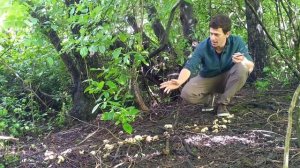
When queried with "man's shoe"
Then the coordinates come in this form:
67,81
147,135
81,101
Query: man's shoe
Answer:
209,105
222,111
207,108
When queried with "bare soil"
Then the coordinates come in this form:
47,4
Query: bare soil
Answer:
254,137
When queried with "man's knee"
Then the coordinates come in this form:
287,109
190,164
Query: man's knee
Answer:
186,95
191,97
240,70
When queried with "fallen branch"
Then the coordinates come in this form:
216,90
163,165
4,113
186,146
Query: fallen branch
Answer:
87,137
9,138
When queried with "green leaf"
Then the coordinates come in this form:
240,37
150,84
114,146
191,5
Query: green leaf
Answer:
3,112
104,104
72,11
107,116
95,108
115,104
106,94
93,49
100,85
123,37
102,49
111,84
3,125
127,127
50,61
189,1
122,79
133,111
85,10
116,53
126,59
84,51
34,21
54,27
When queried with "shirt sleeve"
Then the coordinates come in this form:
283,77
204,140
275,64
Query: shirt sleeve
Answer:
244,50
193,63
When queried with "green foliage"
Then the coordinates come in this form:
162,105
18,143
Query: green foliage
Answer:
114,90
18,116
9,160
10,15
262,85
29,60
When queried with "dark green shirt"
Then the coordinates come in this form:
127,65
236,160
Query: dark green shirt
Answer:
210,63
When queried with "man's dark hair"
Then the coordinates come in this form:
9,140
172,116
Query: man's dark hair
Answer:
221,21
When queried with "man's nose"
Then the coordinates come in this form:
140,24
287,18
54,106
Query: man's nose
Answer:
213,37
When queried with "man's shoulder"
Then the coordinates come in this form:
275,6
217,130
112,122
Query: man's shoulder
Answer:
204,43
235,38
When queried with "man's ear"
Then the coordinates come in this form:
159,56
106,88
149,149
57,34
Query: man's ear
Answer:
227,34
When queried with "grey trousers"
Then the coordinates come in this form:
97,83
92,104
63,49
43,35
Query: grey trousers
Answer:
198,89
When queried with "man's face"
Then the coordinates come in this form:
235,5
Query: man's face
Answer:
218,38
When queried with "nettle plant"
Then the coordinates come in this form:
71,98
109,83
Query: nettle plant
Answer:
115,98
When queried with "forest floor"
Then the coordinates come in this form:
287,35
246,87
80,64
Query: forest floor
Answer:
254,137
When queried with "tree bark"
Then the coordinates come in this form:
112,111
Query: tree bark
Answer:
256,39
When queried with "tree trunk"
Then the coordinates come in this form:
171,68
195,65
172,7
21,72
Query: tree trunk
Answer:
82,104
187,21
256,39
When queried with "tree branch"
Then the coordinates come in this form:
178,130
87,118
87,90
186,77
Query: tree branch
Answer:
8,138
165,38
289,128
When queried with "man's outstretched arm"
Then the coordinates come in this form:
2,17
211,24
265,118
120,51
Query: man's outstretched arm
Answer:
176,83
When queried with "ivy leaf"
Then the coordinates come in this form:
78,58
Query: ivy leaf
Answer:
127,127
84,51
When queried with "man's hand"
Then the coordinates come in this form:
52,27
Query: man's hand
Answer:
240,58
237,57
170,85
